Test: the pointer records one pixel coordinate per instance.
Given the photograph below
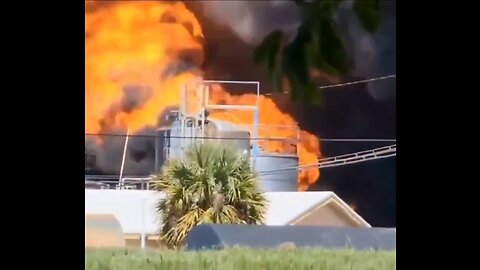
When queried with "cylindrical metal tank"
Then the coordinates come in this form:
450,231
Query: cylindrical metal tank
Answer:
172,146
282,180
172,142
103,231
227,133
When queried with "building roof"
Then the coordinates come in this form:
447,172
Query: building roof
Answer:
287,207
284,208
219,236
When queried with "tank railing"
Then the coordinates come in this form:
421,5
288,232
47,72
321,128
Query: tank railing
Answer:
205,102
278,145
290,129
127,183
144,182
112,178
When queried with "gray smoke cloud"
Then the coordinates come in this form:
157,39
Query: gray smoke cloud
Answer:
140,154
251,21
134,96
186,61
374,55
139,157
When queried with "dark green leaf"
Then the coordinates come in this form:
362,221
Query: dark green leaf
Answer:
300,3
328,52
317,45
325,9
368,13
267,53
276,77
296,66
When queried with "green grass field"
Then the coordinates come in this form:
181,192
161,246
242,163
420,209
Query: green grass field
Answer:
241,259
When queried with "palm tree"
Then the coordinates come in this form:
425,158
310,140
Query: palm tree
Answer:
210,184
317,45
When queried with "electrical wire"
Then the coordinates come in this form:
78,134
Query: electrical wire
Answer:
346,159
241,138
347,83
357,82
340,160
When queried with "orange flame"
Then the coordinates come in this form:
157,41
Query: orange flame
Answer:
127,43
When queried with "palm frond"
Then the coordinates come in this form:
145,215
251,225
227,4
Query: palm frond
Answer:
211,183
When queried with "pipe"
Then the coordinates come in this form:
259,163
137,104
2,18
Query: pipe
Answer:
156,149
237,82
203,90
143,235
232,107
123,159
255,150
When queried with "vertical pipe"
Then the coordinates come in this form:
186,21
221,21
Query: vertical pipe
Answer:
193,128
297,141
204,90
142,216
255,149
120,180
255,127
156,150
207,96
200,98
183,111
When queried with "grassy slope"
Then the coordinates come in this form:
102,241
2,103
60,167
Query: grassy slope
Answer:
242,259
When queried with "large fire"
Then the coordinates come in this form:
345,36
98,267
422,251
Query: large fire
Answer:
158,45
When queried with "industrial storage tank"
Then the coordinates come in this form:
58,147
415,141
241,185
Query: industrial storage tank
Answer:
171,144
103,230
280,180
192,124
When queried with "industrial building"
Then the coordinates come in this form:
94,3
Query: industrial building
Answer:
192,123
122,213
131,213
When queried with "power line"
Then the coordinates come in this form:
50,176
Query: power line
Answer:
347,83
346,159
357,140
357,82
340,160
321,165
379,150
239,138
192,137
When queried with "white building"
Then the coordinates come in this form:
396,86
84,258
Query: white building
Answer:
109,214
